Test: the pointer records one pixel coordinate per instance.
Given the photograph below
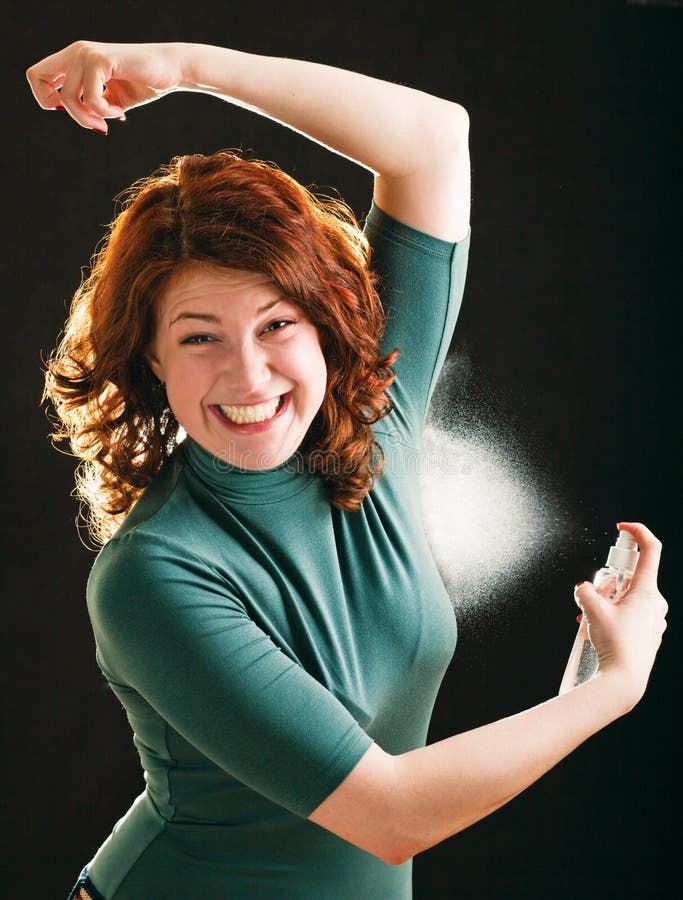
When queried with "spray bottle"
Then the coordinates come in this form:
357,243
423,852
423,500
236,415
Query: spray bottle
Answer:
611,581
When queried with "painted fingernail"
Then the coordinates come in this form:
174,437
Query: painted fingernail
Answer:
61,108
579,618
99,130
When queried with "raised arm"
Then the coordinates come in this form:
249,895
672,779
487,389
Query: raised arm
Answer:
415,144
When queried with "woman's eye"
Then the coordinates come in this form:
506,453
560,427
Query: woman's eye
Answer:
280,322
198,339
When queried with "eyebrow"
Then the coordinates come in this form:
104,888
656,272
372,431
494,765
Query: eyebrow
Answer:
209,317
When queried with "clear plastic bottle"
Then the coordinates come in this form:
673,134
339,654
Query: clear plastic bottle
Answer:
612,581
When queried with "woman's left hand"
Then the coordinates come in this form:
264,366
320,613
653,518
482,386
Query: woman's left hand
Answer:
627,635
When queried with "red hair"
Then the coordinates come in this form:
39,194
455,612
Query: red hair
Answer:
239,213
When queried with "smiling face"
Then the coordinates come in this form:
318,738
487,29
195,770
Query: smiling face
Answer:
244,370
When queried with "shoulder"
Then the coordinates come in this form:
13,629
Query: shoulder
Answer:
413,264
145,579
384,228
130,571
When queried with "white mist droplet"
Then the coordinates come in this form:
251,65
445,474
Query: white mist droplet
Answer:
488,511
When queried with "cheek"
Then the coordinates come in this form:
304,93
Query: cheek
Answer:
186,383
190,372
180,402
316,374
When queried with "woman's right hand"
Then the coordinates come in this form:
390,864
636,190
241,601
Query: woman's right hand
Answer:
627,635
94,81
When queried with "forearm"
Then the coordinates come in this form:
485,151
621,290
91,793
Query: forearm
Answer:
397,806
388,128
449,785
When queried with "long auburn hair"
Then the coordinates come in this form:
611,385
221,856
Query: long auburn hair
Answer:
236,212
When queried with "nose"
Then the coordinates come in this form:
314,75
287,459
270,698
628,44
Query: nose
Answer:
245,372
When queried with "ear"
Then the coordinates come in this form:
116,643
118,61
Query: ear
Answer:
154,364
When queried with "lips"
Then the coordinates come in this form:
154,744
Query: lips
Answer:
247,427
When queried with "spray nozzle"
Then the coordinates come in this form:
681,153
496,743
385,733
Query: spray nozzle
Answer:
626,540
624,553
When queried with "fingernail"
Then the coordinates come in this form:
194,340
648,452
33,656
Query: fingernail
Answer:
579,618
60,108
578,584
99,130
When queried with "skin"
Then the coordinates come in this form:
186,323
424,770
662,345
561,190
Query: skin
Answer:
398,806
239,357
415,144
416,147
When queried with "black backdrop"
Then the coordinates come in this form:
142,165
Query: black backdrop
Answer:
570,323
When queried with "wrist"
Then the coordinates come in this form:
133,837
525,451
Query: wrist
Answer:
619,688
203,67
186,55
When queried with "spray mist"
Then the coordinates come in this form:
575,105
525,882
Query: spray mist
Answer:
612,581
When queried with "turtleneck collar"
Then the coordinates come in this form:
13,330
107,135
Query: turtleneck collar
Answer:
238,485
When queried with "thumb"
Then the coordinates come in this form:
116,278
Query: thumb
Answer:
592,604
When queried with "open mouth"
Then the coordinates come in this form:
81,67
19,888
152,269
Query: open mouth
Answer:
259,414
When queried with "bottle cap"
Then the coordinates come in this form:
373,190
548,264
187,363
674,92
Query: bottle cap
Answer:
623,554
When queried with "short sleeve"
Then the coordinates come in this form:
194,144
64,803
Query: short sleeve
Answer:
176,633
422,281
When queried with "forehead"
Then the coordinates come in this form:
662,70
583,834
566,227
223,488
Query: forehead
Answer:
213,285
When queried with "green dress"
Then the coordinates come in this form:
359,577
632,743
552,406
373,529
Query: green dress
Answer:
260,639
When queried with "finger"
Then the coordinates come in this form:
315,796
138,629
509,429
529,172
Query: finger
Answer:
70,93
46,76
577,598
45,86
583,625
650,552
71,99
585,595
94,82
593,605
117,108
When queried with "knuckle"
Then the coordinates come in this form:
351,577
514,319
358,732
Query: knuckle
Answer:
87,54
97,107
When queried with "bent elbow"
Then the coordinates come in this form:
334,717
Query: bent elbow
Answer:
461,119
446,135
385,847
365,811
397,858
400,848
395,850
455,127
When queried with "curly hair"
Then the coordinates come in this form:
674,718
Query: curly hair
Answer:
236,212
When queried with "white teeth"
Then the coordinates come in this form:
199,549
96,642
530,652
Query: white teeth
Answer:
243,415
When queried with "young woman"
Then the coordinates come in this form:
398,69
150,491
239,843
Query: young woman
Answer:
265,605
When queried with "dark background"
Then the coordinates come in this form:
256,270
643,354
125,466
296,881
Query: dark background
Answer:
570,320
